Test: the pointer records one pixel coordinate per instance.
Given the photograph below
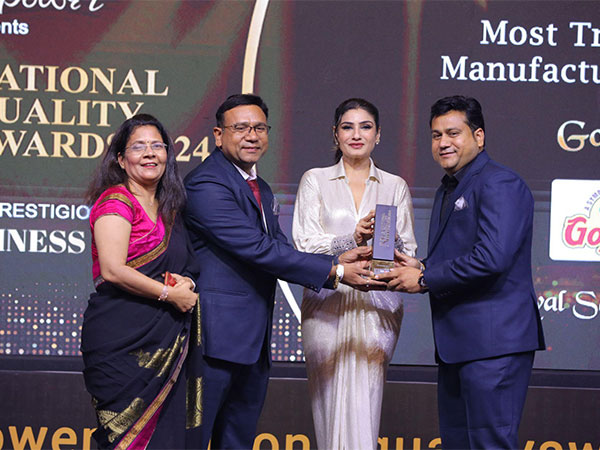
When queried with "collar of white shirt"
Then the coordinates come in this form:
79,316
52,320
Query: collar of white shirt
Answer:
340,172
251,176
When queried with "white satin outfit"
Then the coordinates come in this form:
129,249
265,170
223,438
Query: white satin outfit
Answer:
348,336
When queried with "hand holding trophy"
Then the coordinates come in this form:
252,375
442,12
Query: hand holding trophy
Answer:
356,264
384,239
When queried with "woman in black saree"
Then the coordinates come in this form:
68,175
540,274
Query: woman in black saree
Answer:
140,337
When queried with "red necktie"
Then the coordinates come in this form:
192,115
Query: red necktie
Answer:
255,190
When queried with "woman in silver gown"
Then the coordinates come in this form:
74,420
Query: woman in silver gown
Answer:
349,336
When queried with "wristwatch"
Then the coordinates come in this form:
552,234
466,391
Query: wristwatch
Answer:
339,274
422,283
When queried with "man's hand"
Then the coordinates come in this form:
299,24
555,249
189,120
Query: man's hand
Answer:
356,269
402,278
358,276
405,260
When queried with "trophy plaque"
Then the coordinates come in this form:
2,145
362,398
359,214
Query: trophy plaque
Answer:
383,238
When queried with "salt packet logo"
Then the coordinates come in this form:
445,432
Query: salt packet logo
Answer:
581,231
575,220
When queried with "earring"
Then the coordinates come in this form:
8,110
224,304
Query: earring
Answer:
377,142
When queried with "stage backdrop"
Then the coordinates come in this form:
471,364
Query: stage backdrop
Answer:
72,70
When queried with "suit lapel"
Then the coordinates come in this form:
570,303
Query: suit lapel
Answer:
266,196
239,181
437,223
434,221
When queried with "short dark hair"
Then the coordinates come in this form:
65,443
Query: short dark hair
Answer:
343,108
170,191
240,100
468,105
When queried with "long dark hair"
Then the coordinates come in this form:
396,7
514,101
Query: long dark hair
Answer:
345,106
170,192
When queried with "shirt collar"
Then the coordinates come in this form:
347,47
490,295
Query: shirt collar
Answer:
251,176
339,172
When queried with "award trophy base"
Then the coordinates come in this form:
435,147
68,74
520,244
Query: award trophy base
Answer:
379,266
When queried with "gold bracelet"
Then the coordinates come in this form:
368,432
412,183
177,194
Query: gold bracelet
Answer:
339,275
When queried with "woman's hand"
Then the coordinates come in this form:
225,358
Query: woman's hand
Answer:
183,281
364,228
181,296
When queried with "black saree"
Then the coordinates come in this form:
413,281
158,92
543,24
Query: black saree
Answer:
135,353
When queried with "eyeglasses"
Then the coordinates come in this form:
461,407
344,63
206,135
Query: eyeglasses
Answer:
139,147
243,128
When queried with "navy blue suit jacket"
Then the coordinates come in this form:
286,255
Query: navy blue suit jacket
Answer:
478,267
239,261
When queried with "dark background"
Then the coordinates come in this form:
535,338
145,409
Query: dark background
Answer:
312,56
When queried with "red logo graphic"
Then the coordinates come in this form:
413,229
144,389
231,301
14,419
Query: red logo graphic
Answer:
583,231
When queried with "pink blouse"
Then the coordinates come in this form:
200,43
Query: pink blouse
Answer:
145,234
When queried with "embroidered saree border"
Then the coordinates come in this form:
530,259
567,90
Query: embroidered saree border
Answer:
132,435
198,319
194,393
116,423
162,359
193,403
118,196
151,255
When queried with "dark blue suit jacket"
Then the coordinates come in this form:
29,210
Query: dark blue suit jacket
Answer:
478,267
239,261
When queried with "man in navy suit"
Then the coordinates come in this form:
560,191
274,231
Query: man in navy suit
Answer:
486,323
241,251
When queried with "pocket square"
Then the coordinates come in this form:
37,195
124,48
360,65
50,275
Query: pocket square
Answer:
460,204
275,206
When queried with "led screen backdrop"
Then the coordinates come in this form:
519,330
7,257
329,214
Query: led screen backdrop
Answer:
72,71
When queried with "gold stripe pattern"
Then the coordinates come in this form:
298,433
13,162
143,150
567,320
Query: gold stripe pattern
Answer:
118,196
152,254
117,423
193,403
198,319
137,428
162,359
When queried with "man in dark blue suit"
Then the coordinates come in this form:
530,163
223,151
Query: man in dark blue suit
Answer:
232,217
486,322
